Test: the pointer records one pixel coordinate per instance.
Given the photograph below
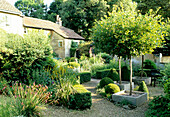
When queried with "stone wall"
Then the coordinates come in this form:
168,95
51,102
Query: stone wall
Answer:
55,39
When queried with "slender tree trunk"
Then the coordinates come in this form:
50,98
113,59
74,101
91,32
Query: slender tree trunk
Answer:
120,70
142,65
130,75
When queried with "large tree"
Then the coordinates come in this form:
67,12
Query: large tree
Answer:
32,8
126,33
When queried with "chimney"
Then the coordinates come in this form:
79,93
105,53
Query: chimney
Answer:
58,20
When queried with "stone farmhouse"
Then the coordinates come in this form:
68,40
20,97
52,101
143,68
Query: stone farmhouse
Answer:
12,20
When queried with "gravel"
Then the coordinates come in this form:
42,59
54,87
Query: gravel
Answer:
101,107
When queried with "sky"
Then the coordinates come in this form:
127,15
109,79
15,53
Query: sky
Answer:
45,1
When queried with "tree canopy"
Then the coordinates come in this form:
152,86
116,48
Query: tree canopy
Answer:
126,33
32,8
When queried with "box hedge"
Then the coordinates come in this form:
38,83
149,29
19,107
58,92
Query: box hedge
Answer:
81,99
111,73
85,77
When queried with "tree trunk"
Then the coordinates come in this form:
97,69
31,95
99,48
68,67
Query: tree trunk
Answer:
142,65
120,70
130,76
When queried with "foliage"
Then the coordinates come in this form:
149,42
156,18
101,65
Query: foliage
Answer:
63,81
32,8
162,6
84,48
130,33
72,52
106,57
113,74
105,81
143,74
19,55
80,15
67,59
102,73
81,99
149,64
167,70
167,88
159,107
73,64
112,88
84,77
136,88
85,65
125,73
26,100
72,59
143,88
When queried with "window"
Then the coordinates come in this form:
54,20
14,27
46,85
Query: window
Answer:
60,43
25,30
7,20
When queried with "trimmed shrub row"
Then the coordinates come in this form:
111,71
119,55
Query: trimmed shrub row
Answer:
111,73
80,100
85,77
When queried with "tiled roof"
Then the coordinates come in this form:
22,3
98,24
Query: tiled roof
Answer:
48,25
7,7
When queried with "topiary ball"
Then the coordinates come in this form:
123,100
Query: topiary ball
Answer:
149,64
112,88
143,88
105,81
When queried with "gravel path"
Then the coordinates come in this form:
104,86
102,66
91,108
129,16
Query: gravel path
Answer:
100,107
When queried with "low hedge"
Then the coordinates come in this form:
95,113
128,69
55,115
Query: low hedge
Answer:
85,77
111,73
81,99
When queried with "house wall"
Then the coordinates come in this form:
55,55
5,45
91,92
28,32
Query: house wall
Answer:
11,23
55,39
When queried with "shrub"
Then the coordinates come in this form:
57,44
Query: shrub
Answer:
105,81
167,88
73,59
125,73
112,88
67,59
149,64
167,70
113,74
159,107
144,74
106,57
84,48
85,77
20,54
81,99
74,64
136,88
72,52
102,73
143,88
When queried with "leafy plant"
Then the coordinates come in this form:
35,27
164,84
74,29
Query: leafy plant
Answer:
112,88
105,81
149,64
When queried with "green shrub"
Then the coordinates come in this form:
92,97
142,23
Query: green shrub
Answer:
144,74
19,55
105,81
112,88
125,73
102,73
81,99
73,59
113,74
167,88
74,64
143,88
149,64
72,52
67,59
167,70
136,88
159,107
85,77
84,48
106,57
